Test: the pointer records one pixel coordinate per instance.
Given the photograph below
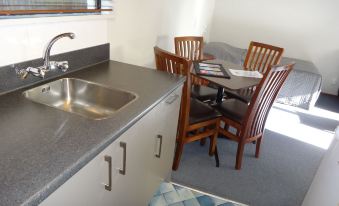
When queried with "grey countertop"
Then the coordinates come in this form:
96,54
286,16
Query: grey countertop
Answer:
42,147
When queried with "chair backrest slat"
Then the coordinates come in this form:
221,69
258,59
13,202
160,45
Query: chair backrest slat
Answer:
263,99
260,56
189,47
172,63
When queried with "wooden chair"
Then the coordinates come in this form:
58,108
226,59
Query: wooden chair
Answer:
249,120
196,120
259,57
191,48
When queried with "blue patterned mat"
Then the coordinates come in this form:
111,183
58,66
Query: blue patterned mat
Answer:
170,194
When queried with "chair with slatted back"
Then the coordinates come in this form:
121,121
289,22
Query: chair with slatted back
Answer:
249,120
259,58
196,120
191,47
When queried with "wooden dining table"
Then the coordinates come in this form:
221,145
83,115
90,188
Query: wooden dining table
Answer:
234,83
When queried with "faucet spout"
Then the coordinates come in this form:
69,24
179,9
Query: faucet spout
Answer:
48,65
50,44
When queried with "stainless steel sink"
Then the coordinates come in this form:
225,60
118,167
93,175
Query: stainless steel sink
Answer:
81,97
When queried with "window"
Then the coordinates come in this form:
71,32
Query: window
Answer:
19,7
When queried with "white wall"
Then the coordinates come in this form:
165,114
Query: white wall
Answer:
307,29
136,27
25,39
139,25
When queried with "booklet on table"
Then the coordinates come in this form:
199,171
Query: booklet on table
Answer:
210,69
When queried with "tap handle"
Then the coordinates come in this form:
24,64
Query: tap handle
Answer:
63,65
21,73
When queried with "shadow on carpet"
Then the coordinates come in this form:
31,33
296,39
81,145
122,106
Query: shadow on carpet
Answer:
281,176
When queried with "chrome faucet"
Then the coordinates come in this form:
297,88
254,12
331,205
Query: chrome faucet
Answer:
48,65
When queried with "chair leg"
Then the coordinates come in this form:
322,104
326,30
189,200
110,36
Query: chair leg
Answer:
213,139
257,148
178,153
203,142
216,156
240,153
213,142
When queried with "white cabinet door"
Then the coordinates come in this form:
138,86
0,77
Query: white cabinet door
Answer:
166,120
150,149
126,157
131,188
87,186
170,114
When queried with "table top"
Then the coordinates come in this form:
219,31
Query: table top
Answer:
235,82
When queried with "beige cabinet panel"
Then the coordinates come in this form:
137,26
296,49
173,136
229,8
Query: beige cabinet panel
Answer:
138,160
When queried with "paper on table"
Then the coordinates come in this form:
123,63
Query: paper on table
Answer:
244,73
209,65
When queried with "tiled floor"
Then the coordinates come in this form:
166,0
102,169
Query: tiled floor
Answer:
169,194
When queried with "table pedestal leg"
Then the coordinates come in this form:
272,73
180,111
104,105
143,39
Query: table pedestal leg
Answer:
220,95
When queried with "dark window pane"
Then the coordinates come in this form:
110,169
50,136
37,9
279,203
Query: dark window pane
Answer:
9,7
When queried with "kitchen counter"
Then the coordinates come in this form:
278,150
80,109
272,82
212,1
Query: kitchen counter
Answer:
42,147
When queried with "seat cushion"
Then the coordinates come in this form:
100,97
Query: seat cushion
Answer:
200,112
243,95
233,109
203,93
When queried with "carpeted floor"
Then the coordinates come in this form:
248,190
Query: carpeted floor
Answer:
282,174
328,102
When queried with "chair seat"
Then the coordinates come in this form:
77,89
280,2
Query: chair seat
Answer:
233,109
243,95
203,93
200,112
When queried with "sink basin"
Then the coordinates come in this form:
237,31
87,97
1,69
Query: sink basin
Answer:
81,97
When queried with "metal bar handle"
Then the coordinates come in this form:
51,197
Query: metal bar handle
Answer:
124,147
109,185
160,146
171,99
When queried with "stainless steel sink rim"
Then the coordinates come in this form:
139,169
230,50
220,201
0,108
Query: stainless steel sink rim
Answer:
81,97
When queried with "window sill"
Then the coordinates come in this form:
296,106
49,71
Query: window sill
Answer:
51,18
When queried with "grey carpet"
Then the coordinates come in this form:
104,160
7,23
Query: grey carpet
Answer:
328,102
281,176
